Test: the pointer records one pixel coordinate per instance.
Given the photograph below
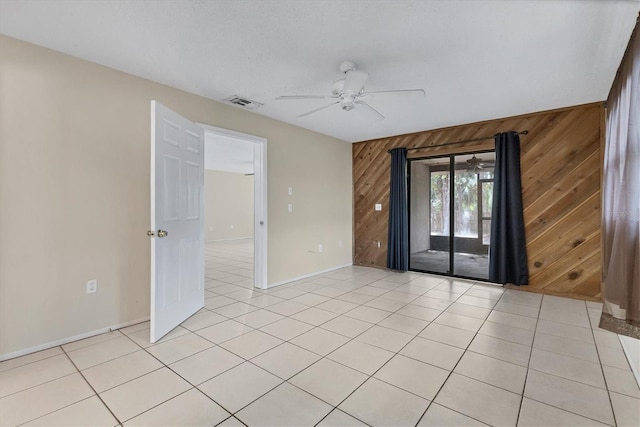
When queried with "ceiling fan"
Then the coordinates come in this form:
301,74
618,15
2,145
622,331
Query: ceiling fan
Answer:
349,93
475,164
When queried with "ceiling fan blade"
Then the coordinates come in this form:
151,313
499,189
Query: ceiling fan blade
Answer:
372,111
318,109
355,81
281,98
419,92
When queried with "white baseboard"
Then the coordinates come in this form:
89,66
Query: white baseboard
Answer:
304,276
63,341
631,347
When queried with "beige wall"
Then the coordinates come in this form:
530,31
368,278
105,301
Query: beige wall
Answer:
74,193
228,205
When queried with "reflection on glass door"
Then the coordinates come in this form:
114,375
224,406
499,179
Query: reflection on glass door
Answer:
450,218
430,220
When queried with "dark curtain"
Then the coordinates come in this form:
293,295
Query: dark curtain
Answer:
507,251
398,239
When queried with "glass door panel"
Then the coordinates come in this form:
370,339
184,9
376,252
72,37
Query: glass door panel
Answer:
429,210
486,181
473,191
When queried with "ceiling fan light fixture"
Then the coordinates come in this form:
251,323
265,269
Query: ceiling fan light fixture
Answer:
348,92
338,87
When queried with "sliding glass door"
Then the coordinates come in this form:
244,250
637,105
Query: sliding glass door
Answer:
450,214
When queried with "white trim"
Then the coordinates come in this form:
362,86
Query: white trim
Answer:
627,346
231,133
152,220
63,341
304,276
259,199
229,240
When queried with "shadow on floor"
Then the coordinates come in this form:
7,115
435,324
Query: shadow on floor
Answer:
468,265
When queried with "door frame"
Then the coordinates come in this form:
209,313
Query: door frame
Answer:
260,211
451,237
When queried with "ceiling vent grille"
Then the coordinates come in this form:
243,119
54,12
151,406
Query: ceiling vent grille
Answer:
243,102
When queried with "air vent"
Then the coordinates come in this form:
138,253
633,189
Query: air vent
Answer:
243,102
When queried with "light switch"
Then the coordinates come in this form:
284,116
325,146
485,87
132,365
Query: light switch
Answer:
290,191
378,206
290,207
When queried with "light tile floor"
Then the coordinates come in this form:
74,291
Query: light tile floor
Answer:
356,346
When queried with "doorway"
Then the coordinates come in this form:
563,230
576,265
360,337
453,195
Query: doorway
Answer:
450,201
236,213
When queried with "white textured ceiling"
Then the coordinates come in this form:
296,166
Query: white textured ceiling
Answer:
476,60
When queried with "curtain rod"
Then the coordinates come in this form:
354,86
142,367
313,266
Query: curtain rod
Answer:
524,132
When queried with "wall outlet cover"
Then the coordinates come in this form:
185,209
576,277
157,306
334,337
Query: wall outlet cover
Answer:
320,247
378,206
92,286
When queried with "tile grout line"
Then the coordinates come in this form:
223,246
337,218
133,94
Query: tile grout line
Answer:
395,354
570,380
416,335
526,375
325,357
91,386
604,377
455,366
31,363
164,365
395,312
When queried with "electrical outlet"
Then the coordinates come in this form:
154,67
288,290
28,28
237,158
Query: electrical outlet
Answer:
92,286
378,243
290,191
290,207
320,247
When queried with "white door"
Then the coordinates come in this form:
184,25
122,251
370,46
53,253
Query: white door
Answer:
177,215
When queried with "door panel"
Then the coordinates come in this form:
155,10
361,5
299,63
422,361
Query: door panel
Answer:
429,215
177,208
468,251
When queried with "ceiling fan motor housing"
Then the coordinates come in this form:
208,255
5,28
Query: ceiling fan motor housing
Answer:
347,66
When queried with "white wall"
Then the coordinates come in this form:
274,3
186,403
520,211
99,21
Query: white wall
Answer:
74,193
420,207
228,205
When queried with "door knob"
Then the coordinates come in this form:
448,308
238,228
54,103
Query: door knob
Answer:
162,233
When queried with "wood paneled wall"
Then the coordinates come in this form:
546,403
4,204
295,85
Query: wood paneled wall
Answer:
561,170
